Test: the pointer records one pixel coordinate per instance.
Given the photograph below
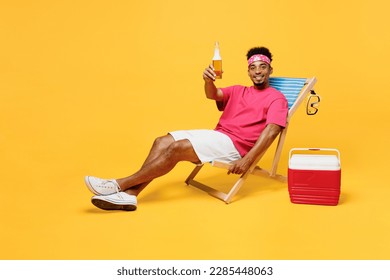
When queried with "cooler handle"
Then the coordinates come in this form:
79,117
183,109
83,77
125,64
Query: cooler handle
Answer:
314,150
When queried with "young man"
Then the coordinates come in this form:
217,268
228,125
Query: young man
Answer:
252,118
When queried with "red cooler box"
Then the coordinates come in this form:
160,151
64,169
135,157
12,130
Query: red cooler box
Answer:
314,176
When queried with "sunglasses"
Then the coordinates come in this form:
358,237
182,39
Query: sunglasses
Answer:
313,103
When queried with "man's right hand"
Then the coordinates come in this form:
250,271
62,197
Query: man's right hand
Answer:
209,74
212,92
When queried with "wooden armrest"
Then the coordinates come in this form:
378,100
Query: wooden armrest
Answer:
221,164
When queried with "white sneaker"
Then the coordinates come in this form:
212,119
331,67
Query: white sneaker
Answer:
116,201
101,186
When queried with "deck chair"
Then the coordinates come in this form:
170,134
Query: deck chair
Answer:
295,90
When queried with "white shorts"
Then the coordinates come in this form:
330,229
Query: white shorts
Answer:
209,145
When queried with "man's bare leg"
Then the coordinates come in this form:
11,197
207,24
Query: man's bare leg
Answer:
160,144
162,158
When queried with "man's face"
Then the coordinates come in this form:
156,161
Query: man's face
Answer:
259,72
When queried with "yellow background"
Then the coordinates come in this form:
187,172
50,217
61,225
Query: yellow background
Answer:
86,86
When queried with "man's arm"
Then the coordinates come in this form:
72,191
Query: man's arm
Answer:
265,140
212,92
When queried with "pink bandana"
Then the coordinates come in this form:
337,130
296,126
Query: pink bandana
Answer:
258,57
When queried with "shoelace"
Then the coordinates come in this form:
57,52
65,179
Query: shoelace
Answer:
119,193
116,186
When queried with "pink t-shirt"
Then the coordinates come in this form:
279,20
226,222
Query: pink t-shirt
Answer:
246,113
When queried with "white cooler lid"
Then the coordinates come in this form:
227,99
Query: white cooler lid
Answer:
314,162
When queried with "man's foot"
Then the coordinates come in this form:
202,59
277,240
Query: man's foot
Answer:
116,201
101,186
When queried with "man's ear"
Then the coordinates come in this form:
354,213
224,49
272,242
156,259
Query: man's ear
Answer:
271,70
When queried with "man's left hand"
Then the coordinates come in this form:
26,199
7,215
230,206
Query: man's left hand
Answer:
240,166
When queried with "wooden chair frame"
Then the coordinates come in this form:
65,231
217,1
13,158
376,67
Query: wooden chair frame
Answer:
254,169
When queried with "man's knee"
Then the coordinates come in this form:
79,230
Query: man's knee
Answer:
163,141
182,150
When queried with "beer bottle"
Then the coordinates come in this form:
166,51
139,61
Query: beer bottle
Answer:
217,62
